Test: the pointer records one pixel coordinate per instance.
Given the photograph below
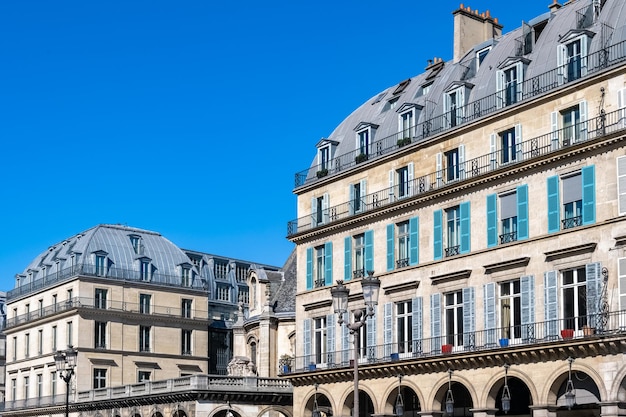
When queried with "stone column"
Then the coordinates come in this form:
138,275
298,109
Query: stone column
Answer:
543,410
611,409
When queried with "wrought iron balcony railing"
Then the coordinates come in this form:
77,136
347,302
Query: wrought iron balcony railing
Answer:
527,89
570,222
508,237
528,150
539,333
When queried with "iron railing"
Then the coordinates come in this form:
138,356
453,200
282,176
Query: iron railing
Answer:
527,89
534,148
552,331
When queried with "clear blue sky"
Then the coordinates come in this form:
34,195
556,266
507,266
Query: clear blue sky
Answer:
190,117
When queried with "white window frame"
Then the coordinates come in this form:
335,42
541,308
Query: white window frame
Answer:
578,319
514,296
455,308
320,339
579,128
319,266
404,324
480,52
458,104
502,84
563,57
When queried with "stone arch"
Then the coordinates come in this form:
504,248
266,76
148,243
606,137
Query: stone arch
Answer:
464,397
618,389
410,397
588,386
522,390
227,410
366,402
323,402
286,412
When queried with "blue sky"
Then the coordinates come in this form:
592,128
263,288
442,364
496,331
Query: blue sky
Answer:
190,117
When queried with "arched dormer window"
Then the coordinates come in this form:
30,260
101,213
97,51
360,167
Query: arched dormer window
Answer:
253,296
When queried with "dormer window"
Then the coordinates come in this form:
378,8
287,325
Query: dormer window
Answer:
145,269
379,98
325,152
364,140
135,241
509,82
454,105
185,276
480,55
572,56
391,103
402,86
100,262
423,90
407,120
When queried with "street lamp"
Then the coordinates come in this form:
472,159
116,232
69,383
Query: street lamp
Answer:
570,393
370,286
506,394
65,362
399,402
449,397
316,410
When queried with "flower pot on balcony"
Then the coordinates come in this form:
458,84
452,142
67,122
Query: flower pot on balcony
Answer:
312,367
404,141
504,342
567,333
322,173
360,158
446,348
395,356
589,331
286,369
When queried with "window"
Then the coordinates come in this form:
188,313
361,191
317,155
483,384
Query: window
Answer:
27,345
14,348
319,339
423,90
480,56
361,333
511,309
407,123
99,378
40,309
511,208
319,266
144,270
53,383
319,210
143,376
100,335
243,296
144,303
403,245
508,224
404,326
573,201
185,276
39,385
100,298
253,352
453,224
100,265
221,269
454,318
509,147
574,298
70,333
185,308
26,389
453,106
454,232
401,87
359,256
454,168
572,59
185,347
70,296
391,104
135,241
40,342
54,302
357,197
364,142
223,292
509,83
144,338
54,338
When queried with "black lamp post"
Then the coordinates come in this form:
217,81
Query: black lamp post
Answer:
65,361
399,402
506,394
449,397
570,393
316,410
370,286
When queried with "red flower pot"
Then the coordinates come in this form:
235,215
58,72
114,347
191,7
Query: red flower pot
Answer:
446,348
567,333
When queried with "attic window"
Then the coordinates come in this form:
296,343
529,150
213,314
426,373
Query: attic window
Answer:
379,98
401,87
480,56
391,104
423,90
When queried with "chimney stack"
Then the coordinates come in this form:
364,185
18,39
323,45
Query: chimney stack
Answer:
554,6
472,28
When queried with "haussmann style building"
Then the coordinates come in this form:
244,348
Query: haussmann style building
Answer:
488,196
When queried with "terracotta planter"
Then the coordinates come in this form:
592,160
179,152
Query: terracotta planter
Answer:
567,333
589,331
446,348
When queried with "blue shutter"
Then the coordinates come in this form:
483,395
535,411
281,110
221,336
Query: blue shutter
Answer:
551,310
465,226
347,260
492,220
314,212
589,194
554,208
309,268
490,312
388,329
438,234
417,323
469,317
594,289
522,212
435,320
330,339
390,248
371,337
307,343
527,299
414,240
328,263
369,251
352,202
345,345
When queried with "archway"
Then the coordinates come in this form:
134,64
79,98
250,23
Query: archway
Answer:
323,405
586,395
410,402
462,400
521,399
366,406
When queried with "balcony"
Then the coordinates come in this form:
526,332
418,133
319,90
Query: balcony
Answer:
201,385
539,335
110,305
543,83
508,237
533,149
452,250
571,222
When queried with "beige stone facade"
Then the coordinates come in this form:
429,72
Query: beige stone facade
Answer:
495,225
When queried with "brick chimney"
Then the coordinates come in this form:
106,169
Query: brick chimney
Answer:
472,28
554,6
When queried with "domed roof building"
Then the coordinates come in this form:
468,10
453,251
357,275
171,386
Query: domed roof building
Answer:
487,194
141,313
